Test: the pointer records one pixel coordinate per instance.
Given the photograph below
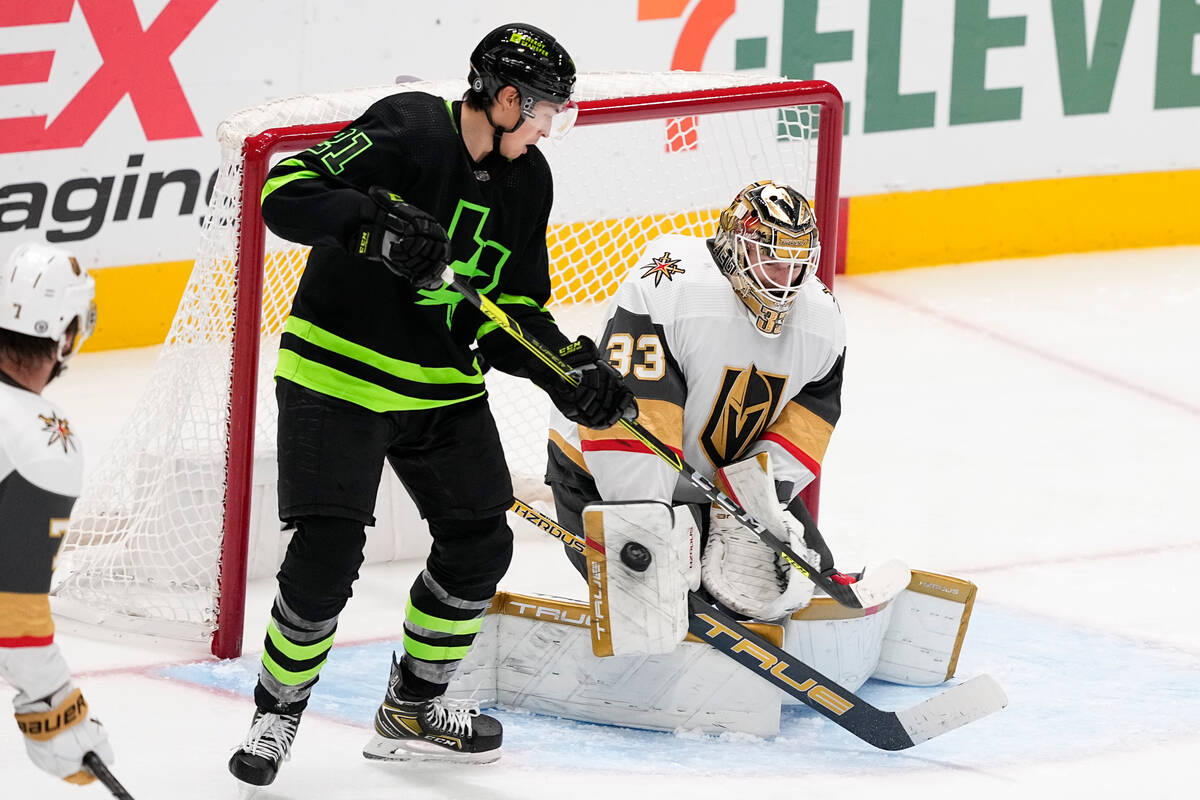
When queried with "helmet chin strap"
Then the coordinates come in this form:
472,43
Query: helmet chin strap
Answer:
63,355
500,130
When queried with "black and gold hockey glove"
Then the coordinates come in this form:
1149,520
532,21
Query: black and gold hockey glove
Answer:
410,242
600,400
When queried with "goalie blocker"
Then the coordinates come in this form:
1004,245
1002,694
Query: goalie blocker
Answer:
640,567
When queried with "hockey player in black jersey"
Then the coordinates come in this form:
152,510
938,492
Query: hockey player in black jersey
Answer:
376,363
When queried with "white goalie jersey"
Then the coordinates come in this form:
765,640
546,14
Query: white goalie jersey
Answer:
708,384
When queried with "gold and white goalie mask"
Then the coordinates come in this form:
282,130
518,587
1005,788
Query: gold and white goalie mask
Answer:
767,246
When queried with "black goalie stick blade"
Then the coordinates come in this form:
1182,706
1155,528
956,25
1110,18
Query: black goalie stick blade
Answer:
887,730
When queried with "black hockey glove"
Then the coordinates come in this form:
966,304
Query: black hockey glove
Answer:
600,400
407,240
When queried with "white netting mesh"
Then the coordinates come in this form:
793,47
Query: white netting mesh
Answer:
145,538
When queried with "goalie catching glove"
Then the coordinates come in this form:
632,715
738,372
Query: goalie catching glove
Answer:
410,242
739,570
599,400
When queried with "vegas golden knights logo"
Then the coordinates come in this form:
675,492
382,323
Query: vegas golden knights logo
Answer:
741,412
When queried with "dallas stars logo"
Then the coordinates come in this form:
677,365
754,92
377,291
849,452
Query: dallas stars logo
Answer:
59,430
486,260
662,267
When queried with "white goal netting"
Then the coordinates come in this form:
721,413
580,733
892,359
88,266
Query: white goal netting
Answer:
144,548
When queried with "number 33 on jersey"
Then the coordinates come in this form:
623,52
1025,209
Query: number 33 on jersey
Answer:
708,383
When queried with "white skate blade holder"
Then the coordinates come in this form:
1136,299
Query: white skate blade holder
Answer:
380,748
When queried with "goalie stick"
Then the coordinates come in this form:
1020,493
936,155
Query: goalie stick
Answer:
97,767
887,730
881,584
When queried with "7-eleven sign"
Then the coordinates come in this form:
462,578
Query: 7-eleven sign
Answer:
698,31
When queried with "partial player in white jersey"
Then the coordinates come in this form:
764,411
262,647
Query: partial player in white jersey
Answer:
734,350
47,309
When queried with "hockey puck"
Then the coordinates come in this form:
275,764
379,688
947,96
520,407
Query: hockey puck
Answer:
635,556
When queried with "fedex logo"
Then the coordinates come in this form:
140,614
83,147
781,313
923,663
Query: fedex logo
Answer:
136,63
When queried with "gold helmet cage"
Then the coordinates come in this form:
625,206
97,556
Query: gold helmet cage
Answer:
768,247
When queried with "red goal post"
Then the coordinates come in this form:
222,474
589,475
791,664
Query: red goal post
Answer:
683,114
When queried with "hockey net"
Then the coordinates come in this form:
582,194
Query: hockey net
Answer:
183,506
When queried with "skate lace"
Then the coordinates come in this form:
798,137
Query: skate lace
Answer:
271,736
453,716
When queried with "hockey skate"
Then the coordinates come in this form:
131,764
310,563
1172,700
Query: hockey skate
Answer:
268,742
436,729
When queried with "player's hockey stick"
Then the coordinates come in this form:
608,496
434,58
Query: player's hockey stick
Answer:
887,730
879,585
97,767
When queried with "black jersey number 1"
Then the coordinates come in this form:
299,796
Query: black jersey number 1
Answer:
337,151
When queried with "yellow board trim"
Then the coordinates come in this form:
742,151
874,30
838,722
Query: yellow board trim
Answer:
884,232
1022,219
136,304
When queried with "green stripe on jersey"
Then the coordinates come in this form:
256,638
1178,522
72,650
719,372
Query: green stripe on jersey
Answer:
329,381
405,370
284,180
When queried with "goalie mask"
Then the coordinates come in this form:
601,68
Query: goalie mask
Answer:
537,66
767,246
43,290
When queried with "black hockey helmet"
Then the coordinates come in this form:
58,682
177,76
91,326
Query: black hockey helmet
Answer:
526,58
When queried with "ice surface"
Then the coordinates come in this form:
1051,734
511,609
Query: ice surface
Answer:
1033,426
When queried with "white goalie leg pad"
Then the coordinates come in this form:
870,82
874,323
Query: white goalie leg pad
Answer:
913,639
534,652
841,643
638,585
738,569
928,625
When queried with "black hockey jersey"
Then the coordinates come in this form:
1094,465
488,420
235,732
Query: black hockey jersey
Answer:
358,332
